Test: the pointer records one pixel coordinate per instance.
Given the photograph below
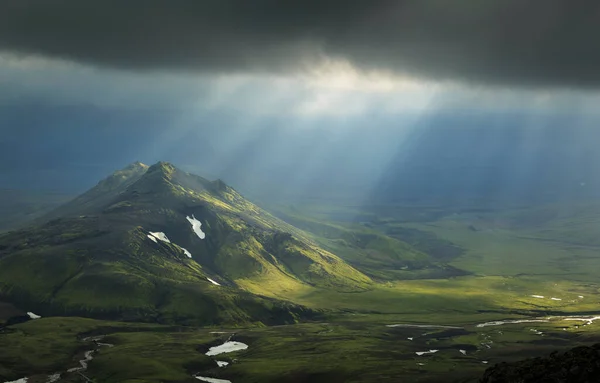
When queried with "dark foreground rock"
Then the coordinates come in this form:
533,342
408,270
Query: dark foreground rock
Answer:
578,365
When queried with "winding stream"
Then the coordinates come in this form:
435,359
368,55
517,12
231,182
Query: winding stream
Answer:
407,325
487,342
83,363
588,319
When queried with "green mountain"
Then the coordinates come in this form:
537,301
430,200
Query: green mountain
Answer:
159,244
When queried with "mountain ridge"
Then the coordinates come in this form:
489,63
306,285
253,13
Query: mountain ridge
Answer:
105,189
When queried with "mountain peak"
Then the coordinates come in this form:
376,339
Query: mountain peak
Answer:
164,178
136,165
163,167
163,164
102,194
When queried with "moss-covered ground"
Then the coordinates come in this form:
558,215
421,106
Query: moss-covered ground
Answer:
349,348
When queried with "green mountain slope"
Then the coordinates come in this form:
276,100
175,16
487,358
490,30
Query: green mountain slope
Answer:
163,245
382,250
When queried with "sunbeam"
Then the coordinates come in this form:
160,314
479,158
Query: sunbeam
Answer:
304,191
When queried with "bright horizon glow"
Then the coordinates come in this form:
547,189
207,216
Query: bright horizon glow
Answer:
334,89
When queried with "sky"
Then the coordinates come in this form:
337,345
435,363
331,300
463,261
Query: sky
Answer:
325,95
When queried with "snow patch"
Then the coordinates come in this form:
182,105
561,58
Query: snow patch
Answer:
556,299
212,380
581,297
410,338
484,362
196,226
426,352
226,348
33,316
53,378
22,380
189,255
152,238
161,236
213,281
220,363
464,352
538,296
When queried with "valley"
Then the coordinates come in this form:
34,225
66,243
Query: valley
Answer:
319,293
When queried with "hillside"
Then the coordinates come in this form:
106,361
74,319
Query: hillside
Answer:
158,244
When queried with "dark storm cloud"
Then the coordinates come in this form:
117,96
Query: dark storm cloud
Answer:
516,42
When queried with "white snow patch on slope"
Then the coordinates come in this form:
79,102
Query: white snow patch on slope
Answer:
581,297
220,363
22,380
33,316
556,299
196,226
464,352
426,352
161,236
53,378
189,255
152,238
226,347
538,296
212,380
213,281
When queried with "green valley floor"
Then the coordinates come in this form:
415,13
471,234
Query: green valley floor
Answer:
519,294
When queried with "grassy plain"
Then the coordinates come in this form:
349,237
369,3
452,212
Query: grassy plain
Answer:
354,348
